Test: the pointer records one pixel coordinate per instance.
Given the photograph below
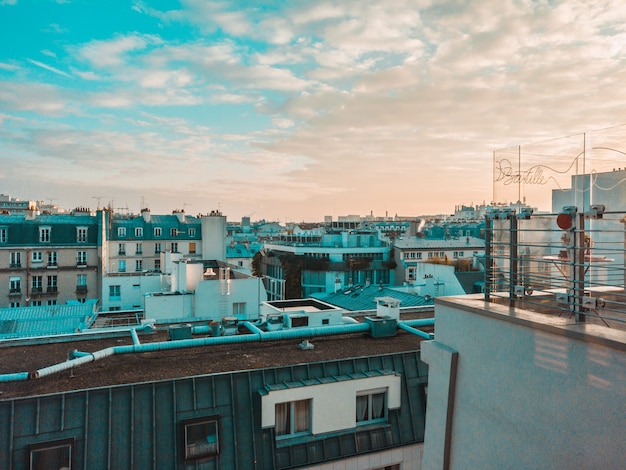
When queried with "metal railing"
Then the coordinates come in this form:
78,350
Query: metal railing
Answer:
570,264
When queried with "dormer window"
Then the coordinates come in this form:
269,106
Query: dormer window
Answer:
45,234
121,231
157,231
138,232
81,234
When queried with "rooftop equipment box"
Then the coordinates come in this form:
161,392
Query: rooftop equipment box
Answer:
382,327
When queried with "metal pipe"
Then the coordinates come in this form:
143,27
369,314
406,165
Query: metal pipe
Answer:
415,331
419,322
257,335
14,377
90,357
133,334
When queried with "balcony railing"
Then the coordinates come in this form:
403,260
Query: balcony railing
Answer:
571,265
52,290
15,291
81,289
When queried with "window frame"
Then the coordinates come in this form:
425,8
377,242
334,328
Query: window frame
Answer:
15,259
158,232
369,412
291,425
50,446
138,232
138,265
81,258
213,446
115,291
81,234
53,258
15,285
45,234
121,232
4,234
36,257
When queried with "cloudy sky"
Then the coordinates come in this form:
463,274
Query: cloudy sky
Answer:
294,110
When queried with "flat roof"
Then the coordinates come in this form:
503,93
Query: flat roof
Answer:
181,362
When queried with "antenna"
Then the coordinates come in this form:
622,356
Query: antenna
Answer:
98,198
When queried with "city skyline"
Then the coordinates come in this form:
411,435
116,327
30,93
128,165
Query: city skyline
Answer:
294,112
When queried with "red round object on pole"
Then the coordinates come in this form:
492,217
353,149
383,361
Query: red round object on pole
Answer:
565,221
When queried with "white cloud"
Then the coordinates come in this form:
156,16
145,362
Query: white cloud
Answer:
49,68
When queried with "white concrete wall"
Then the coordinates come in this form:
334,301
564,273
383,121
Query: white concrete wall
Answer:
211,302
132,290
532,391
409,458
334,404
169,308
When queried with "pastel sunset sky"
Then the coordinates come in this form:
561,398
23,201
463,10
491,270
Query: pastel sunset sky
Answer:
294,110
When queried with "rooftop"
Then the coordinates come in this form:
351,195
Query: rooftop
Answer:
170,360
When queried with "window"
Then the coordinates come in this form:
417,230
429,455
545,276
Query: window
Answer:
53,454
44,234
81,258
192,248
174,247
15,285
121,266
157,231
51,302
138,265
53,258
371,406
36,283
121,248
15,260
157,264
81,283
239,308
138,232
139,249
121,231
36,256
52,284
81,234
14,305
157,248
293,418
173,232
114,292
192,232
4,232
201,438
36,303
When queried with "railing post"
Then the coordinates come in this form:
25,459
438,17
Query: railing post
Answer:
514,259
488,257
577,273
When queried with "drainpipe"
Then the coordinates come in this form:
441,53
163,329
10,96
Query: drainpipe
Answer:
415,331
257,335
14,377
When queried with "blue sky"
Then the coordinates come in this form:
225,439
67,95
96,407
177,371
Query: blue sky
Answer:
294,110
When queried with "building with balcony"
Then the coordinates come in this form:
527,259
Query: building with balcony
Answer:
49,259
311,264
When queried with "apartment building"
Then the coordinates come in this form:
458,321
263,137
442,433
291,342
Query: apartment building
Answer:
308,264
49,259
253,399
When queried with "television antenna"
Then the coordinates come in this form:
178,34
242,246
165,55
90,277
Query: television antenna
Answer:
98,198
